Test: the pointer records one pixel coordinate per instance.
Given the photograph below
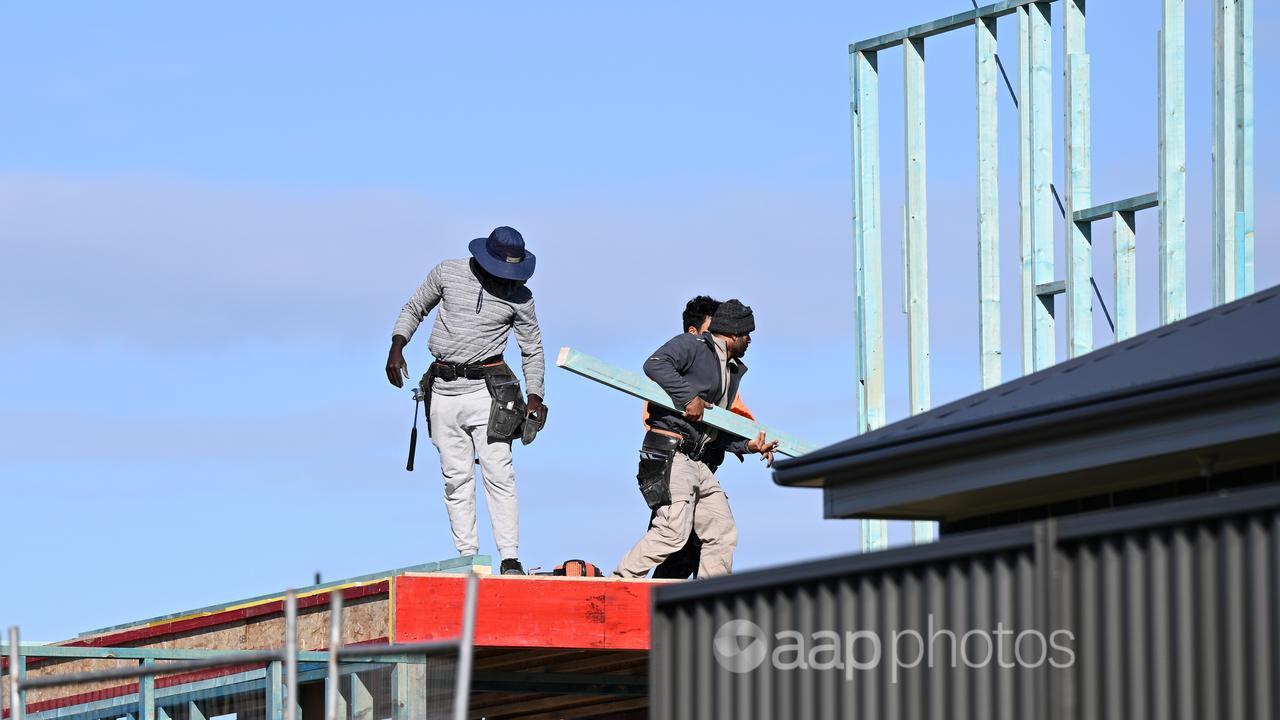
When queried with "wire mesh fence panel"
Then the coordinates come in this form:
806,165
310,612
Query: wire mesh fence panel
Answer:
413,688
92,689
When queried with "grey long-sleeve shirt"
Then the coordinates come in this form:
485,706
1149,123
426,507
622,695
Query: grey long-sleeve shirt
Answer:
473,323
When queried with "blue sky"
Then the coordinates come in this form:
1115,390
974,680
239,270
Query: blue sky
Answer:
211,216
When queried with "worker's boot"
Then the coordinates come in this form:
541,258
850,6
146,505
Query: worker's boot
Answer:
512,566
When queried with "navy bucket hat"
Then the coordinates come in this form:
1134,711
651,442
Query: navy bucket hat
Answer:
502,254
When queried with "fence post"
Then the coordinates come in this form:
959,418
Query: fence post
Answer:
17,673
332,678
290,710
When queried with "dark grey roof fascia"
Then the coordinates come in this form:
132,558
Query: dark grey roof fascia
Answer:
1195,359
1195,394
1239,432
1073,528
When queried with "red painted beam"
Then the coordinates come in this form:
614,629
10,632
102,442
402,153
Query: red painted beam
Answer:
600,614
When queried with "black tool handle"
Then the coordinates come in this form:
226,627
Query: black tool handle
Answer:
413,446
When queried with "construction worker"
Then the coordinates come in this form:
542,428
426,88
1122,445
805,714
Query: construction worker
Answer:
680,454
481,299
684,562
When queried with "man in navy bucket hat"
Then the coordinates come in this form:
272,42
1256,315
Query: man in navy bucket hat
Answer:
502,254
481,299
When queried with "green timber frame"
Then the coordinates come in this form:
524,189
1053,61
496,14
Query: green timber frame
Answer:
1233,194
639,386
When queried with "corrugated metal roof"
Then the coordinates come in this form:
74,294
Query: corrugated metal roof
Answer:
1239,337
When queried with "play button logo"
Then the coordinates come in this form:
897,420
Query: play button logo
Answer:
740,646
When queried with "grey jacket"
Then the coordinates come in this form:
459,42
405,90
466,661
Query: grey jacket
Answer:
687,366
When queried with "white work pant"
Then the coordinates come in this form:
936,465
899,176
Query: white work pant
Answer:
697,503
459,431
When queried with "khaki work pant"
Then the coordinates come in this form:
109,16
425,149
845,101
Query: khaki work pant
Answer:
697,503
459,430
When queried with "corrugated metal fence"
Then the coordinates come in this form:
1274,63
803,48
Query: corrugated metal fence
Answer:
1162,611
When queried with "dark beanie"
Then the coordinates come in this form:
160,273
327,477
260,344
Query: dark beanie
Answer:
732,318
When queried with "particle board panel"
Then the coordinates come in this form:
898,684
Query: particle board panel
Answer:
136,636
531,612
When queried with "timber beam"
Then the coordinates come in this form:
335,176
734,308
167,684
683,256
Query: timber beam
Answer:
637,385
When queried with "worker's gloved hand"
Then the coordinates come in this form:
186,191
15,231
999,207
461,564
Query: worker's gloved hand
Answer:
536,408
397,369
765,448
694,409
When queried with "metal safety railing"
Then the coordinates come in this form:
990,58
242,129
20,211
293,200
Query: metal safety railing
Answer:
279,677
1233,194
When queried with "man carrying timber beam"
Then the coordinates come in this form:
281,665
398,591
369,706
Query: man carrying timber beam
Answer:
680,454
481,300
684,563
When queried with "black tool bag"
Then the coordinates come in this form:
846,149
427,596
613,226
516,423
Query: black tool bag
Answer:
656,455
507,411
577,568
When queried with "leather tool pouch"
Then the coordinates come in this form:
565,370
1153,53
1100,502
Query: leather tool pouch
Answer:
507,411
532,424
424,385
654,476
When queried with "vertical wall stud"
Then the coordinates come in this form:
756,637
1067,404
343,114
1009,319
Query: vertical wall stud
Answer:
917,250
1225,152
275,696
1244,144
1125,274
1079,255
361,699
1173,162
875,533
147,693
988,205
1042,207
917,225
1024,187
869,222
859,272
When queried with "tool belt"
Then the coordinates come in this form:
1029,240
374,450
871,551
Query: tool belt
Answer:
470,371
452,371
657,452
508,417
